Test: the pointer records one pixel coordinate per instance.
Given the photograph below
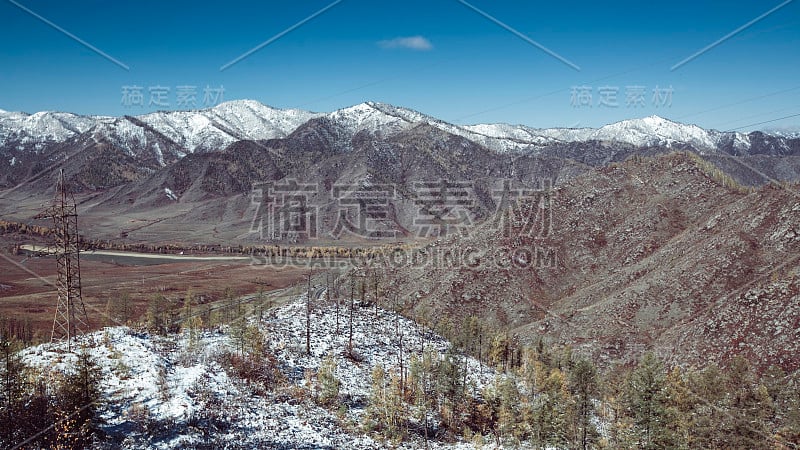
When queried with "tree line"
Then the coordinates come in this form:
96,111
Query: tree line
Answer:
545,397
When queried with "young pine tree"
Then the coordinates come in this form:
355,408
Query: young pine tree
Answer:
14,398
509,426
329,383
553,411
749,407
451,391
583,386
76,404
386,411
157,314
119,310
647,404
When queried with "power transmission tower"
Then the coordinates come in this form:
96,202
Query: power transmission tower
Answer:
70,318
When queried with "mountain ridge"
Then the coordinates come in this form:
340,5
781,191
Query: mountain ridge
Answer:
216,127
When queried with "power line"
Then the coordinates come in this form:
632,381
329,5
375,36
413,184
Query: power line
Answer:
766,121
744,118
747,100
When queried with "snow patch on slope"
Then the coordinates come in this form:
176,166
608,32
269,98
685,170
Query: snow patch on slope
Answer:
170,195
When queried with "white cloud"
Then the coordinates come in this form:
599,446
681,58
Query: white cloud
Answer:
411,42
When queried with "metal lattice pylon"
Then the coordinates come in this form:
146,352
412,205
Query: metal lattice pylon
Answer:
70,318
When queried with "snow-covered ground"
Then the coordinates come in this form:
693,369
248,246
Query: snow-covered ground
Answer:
174,391
375,340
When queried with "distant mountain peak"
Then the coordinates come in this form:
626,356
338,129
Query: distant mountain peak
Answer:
238,102
652,120
167,135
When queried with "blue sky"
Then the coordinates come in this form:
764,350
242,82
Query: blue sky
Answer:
437,56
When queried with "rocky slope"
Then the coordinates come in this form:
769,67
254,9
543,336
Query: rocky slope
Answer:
661,253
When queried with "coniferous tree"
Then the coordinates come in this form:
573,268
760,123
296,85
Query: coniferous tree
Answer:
647,403
238,330
34,419
308,313
708,424
748,407
583,386
352,310
499,352
14,398
119,310
621,429
680,404
789,428
504,396
421,386
329,383
192,321
785,399
450,389
385,413
157,314
12,373
76,404
552,410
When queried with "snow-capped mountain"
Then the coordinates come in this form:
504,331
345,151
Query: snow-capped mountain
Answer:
647,131
786,132
655,130
177,132
210,129
384,119
205,130
165,136
41,128
376,118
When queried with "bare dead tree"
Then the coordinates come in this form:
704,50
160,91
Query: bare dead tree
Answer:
308,313
363,287
400,357
480,348
375,277
352,306
336,296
